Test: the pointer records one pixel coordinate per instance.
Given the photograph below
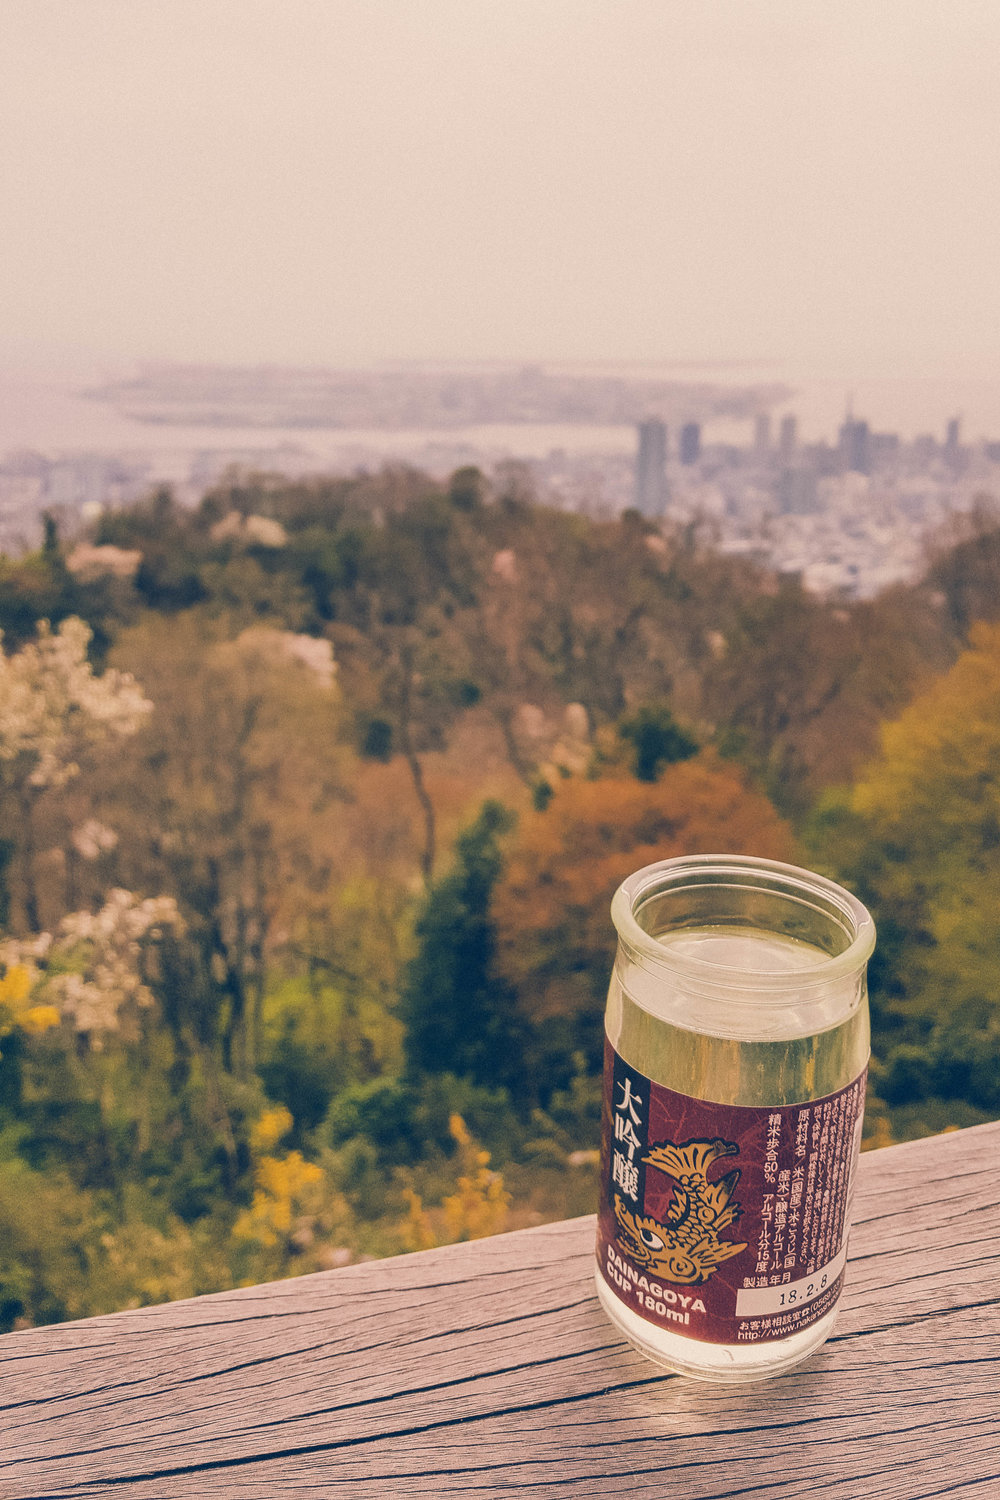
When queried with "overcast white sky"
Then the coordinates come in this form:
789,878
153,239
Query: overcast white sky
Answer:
348,180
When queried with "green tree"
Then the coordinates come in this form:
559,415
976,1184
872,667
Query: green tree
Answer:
172,547
459,1016
38,586
230,802
800,686
965,567
657,739
416,576
920,838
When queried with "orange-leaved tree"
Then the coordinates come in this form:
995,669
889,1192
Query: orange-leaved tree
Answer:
555,939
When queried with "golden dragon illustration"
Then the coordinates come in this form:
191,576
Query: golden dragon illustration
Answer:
687,1248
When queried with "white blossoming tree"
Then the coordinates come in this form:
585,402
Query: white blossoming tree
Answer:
55,712
94,973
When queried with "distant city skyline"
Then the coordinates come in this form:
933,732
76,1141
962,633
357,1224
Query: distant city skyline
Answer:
335,182
43,403
848,517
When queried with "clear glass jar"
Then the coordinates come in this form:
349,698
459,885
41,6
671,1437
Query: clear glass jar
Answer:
737,1040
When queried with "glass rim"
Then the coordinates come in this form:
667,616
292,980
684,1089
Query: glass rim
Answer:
792,882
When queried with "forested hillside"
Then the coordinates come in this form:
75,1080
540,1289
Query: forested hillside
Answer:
314,799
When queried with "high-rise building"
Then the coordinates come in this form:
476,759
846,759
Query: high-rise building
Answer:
854,446
651,469
954,454
762,436
788,437
883,449
690,443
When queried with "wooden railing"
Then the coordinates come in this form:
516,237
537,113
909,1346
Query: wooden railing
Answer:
488,1369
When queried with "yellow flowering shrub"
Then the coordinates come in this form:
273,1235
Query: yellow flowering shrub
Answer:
16,1012
478,1207
287,1189
270,1128
289,1192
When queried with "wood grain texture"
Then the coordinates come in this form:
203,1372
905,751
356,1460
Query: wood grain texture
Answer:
489,1369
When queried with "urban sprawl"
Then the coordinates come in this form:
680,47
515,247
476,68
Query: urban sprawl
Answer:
849,517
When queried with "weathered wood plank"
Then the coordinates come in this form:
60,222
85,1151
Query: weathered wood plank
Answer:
490,1368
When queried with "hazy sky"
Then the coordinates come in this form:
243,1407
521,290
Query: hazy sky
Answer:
350,180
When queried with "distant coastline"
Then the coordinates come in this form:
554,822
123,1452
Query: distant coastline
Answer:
148,409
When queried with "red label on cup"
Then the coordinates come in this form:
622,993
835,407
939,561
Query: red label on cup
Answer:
721,1222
